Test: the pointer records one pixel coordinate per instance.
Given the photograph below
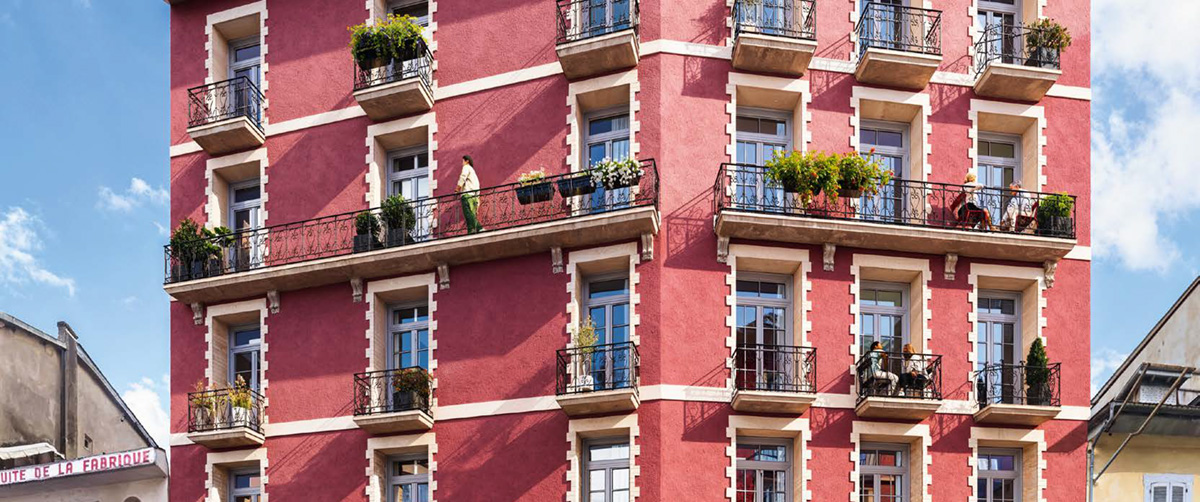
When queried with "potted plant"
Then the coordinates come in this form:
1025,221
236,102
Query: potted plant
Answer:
859,174
366,232
533,187
617,173
193,249
585,341
1037,375
242,401
399,220
1044,42
396,38
578,184
1054,215
203,406
410,389
366,46
805,174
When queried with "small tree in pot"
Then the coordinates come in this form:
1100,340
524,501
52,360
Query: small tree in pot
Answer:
242,400
1037,375
585,342
1054,215
203,406
192,248
366,232
400,220
410,389
1045,42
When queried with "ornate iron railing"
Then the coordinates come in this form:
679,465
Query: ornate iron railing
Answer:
784,18
1011,384
390,391
1009,44
745,187
777,368
597,368
214,410
227,99
417,62
896,27
583,19
441,217
893,374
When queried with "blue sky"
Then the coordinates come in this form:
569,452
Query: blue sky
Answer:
84,173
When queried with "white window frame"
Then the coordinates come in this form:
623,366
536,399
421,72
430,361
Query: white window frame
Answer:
784,303
422,20
608,302
608,465
234,350
902,472
607,138
888,126
235,65
254,492
1014,318
902,311
1014,163
759,138
758,466
255,204
395,480
988,475
1149,481
418,172
410,329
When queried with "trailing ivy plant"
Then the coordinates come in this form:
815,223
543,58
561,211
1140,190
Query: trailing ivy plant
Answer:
374,45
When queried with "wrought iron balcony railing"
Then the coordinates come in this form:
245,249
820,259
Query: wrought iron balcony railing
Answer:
597,368
782,18
1010,44
392,391
900,28
223,409
227,99
744,187
500,207
1018,384
893,374
416,62
584,19
775,368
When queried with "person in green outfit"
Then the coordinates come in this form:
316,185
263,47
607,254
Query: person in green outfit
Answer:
468,185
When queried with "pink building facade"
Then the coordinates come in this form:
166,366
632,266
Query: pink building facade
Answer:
421,357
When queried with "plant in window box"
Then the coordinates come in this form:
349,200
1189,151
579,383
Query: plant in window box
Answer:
617,173
860,174
241,400
410,389
585,341
805,174
1045,41
366,45
203,406
577,184
399,219
366,232
1054,215
402,36
1037,375
192,250
532,187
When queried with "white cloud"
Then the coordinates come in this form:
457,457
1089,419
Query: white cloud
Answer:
145,399
162,229
138,193
1104,362
19,241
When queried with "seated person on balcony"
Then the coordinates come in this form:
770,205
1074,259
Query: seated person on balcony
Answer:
916,373
978,216
468,185
1019,212
876,359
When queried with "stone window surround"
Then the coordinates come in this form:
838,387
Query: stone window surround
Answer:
221,172
771,93
915,435
580,430
217,467
1025,121
1032,444
382,293
232,24
393,135
600,93
218,320
889,105
796,429
917,273
380,448
622,258
1029,283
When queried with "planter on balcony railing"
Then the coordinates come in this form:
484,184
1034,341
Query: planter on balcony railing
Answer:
1016,62
1009,44
780,18
414,62
392,401
218,410
433,218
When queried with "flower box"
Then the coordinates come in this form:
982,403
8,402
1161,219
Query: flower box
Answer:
535,192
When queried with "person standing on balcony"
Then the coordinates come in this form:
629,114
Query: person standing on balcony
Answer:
468,187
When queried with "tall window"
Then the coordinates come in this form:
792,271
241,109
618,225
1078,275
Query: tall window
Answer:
408,478
244,486
408,176
997,19
760,133
883,308
999,475
882,471
607,305
409,340
998,344
762,326
244,345
606,472
604,16
889,140
886,28
763,465
608,138
245,58
999,166
1168,487
245,204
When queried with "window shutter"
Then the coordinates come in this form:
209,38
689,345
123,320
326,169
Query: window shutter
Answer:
1177,491
1158,493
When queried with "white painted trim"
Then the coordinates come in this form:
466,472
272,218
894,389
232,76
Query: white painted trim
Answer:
376,172
220,459
213,312
1083,253
990,436
907,433
925,293
214,211
591,426
801,304
1035,279
1035,113
801,115
374,288
922,122
258,8
499,80
318,119
797,429
575,116
425,441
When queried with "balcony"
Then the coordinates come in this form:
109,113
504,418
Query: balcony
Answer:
774,36
596,37
598,379
396,88
898,46
1007,67
226,116
565,211
392,401
1005,396
898,386
906,215
774,378
225,418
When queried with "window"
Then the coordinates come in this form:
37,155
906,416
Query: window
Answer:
606,472
418,9
889,141
607,306
408,177
244,343
887,24
997,21
998,348
763,324
760,133
244,486
244,60
882,471
763,465
999,476
245,204
604,16
408,478
409,340
608,138
999,167
882,308
1168,488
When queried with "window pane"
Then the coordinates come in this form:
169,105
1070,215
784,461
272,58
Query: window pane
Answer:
620,479
867,137
747,124
246,194
771,290
604,289
1002,150
772,127
418,10
890,298
245,481
245,337
889,139
246,53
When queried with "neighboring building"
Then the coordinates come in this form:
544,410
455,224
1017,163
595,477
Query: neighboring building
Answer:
733,321
1145,426
65,433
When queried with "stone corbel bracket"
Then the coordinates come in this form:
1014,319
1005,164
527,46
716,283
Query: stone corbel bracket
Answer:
356,283
273,301
951,265
827,257
198,313
443,276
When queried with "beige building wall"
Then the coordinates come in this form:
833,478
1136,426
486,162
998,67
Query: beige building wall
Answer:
1123,482
150,490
